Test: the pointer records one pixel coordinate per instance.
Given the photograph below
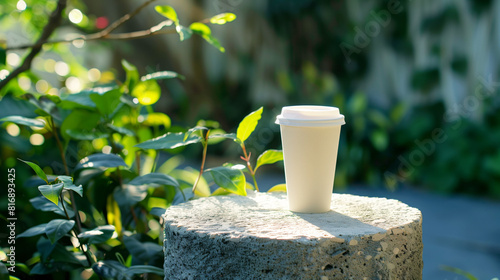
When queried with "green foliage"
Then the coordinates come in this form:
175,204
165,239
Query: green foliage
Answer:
109,143
168,12
147,92
57,228
278,188
23,121
196,27
170,141
269,157
248,124
231,179
37,170
101,160
116,194
52,192
222,18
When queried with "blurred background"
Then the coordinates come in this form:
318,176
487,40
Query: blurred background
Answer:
417,81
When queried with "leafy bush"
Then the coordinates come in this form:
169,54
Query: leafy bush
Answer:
116,168
112,224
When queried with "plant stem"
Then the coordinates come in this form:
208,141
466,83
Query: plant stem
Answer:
203,159
138,162
59,145
53,22
249,165
66,169
85,252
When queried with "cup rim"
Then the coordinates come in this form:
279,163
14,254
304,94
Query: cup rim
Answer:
333,120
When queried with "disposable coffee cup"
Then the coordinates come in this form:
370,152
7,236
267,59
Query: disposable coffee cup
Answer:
310,138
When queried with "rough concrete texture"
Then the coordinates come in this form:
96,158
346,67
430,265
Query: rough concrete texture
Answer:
255,237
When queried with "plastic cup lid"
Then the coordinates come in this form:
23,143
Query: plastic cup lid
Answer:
310,115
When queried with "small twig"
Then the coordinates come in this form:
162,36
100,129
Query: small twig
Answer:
138,162
246,158
85,252
203,159
59,145
105,34
124,18
52,24
66,169
118,36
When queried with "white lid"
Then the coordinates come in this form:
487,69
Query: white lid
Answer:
310,115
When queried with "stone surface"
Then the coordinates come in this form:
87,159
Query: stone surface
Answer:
255,237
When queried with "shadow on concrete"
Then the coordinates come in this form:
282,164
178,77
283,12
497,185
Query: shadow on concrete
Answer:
338,225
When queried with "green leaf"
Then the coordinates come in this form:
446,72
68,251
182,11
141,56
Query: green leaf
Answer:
231,136
162,75
157,211
80,120
200,28
51,192
97,235
169,141
130,195
194,131
82,99
145,252
223,18
168,12
110,269
86,135
101,160
132,75
154,178
220,191
32,231
37,170
68,184
147,92
141,269
278,188
269,157
23,121
219,135
184,32
45,104
248,124
57,228
230,179
121,130
107,102
43,204
156,119
214,42
58,253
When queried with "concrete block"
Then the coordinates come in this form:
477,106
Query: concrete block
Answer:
256,237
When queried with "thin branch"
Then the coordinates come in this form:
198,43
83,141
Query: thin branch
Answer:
246,158
205,146
123,19
92,37
54,22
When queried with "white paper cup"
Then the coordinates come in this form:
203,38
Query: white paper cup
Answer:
310,138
